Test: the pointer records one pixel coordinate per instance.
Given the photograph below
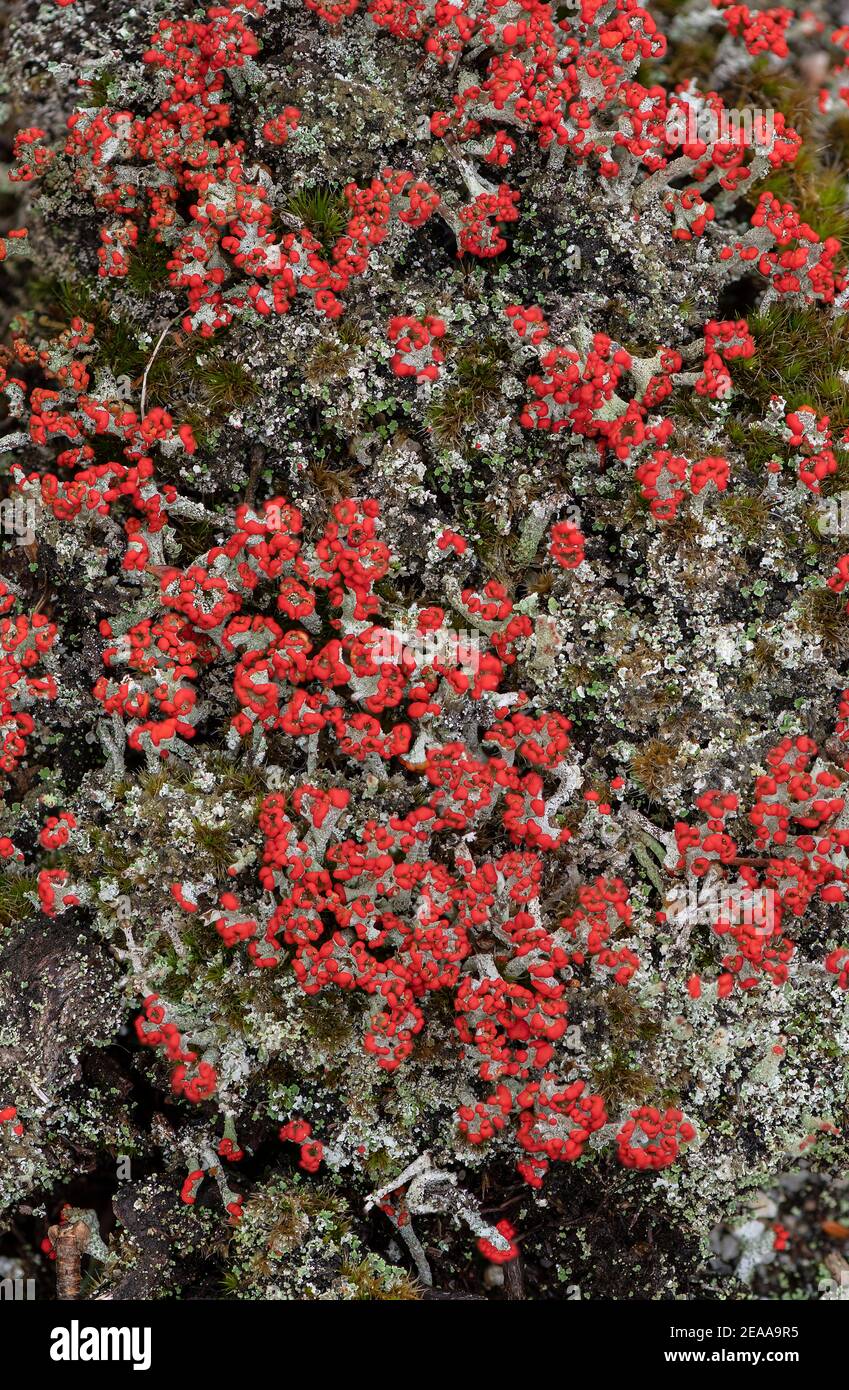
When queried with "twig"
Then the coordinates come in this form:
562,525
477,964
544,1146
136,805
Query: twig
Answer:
514,1283
69,1242
258,457
163,335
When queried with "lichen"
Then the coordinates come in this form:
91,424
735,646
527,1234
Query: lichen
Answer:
423,706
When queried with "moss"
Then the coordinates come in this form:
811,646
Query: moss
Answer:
758,448
836,144
294,1240
117,343
195,537
202,386
114,855
215,847
352,331
100,87
815,181
475,383
332,481
480,367
323,210
224,386
653,767
824,615
619,1082
249,782
15,901
120,349
63,299
747,513
692,58
765,656
329,1025
762,84
817,192
838,481
328,360
799,355
374,1281
148,268
153,783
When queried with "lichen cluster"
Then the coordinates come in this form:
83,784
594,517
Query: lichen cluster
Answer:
423,691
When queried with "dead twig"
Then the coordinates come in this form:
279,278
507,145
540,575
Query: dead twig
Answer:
161,339
69,1241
